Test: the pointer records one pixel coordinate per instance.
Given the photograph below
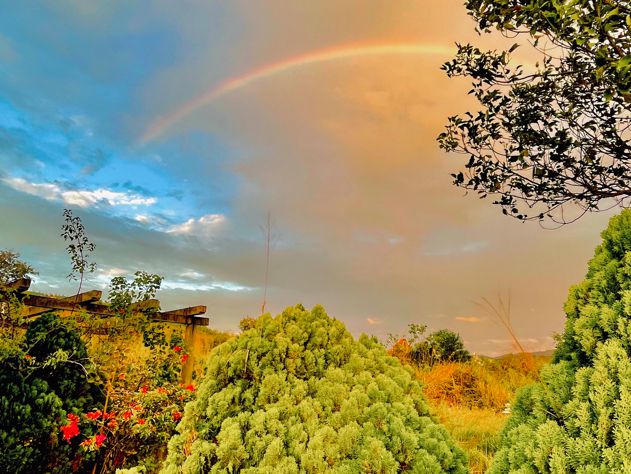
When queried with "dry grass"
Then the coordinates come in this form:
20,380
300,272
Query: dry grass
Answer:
474,430
468,398
481,382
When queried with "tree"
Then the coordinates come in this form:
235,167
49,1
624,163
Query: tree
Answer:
441,346
12,268
550,141
578,418
296,393
79,248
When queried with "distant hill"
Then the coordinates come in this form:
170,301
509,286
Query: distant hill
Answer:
546,353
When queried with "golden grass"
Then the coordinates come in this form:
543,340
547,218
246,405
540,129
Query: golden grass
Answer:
475,430
481,382
468,399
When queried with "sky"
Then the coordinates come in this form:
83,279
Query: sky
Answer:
172,130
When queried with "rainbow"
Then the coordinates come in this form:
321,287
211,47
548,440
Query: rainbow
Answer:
336,53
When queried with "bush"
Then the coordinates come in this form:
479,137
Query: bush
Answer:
296,393
578,419
440,346
44,382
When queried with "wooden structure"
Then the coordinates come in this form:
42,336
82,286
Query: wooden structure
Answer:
90,302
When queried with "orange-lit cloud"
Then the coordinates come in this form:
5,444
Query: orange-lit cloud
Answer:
468,319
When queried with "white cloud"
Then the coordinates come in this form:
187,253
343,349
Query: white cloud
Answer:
204,286
204,225
191,275
104,275
373,321
78,197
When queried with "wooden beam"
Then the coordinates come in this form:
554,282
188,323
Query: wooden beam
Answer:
16,286
94,307
86,297
190,311
176,319
81,298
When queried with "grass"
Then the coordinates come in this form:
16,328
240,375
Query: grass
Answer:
475,430
468,398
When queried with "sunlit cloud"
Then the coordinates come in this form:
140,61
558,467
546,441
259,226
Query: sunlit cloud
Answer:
373,321
78,197
204,286
204,225
192,275
104,275
468,319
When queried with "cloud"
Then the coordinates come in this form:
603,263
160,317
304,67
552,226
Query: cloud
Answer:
105,274
373,321
204,226
468,319
78,197
204,286
192,275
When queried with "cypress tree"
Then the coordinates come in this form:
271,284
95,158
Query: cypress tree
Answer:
296,393
578,418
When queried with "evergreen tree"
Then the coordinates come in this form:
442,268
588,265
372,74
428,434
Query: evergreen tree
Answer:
296,393
578,418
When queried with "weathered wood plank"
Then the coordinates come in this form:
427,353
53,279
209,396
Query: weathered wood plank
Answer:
86,297
190,311
95,307
16,286
177,319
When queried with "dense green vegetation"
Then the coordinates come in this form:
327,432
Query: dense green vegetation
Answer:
296,393
45,379
578,418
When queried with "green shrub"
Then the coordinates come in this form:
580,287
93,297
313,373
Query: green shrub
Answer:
440,346
42,379
296,393
578,418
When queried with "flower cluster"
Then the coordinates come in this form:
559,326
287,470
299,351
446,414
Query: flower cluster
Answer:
72,428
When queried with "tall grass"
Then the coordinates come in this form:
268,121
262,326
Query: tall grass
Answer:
470,399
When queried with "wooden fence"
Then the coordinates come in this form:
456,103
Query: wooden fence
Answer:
90,302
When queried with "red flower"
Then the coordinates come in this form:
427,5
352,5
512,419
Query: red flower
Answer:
127,414
190,387
94,415
112,424
121,376
71,430
184,358
144,389
177,416
99,438
73,418
141,421
177,348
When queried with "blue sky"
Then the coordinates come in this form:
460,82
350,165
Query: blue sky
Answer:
343,156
